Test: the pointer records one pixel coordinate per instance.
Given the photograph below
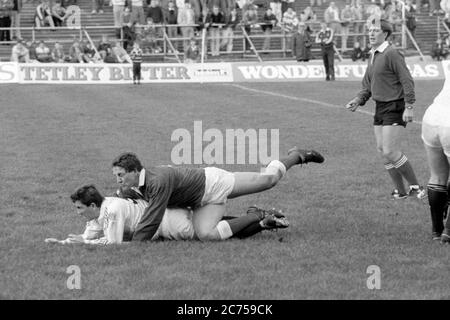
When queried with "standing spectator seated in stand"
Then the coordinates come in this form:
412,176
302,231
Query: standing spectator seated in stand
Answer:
104,47
5,19
58,14
231,21
120,54
43,52
30,45
347,19
156,14
357,53
290,25
192,53
269,21
118,10
20,53
58,54
301,44
276,9
43,15
186,17
128,28
137,11
76,53
249,20
438,51
410,16
149,43
214,22
308,16
15,19
97,6
358,25
331,17
170,18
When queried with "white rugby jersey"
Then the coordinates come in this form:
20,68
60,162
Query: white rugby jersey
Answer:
119,216
438,114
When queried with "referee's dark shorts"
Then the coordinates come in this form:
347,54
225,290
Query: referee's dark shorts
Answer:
389,113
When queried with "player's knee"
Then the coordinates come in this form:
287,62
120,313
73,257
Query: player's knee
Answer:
390,155
207,235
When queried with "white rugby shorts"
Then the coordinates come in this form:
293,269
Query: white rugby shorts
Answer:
218,186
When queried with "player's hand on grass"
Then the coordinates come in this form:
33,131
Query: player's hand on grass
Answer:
408,114
51,240
353,104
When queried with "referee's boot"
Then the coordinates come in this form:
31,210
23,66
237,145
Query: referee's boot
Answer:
307,155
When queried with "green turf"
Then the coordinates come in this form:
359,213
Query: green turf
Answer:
56,138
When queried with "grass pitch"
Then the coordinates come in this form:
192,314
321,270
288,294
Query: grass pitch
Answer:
56,138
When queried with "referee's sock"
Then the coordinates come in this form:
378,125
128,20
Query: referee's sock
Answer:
396,177
437,198
404,167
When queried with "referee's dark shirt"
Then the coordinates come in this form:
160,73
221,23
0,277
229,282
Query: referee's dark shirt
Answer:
387,77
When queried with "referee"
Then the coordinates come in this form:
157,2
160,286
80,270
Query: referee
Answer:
388,81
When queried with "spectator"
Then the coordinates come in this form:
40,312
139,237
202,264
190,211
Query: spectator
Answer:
249,20
438,51
136,57
170,18
43,52
347,19
275,5
155,12
192,53
308,15
301,44
104,47
150,35
230,5
75,53
186,17
197,7
228,34
290,20
118,9
43,15
214,22
445,6
325,38
20,53
316,3
269,21
120,54
58,14
15,19
89,53
357,53
97,6
137,11
410,15
393,16
31,50
358,25
58,54
128,26
435,7
5,19
331,16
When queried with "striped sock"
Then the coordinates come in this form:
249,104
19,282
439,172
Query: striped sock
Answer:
437,198
396,177
404,167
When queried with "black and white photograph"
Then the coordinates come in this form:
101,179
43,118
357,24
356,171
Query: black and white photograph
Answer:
225,156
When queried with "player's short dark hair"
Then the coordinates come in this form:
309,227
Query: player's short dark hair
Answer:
88,195
129,161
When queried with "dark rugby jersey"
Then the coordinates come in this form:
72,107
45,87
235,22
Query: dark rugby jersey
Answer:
387,77
168,187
